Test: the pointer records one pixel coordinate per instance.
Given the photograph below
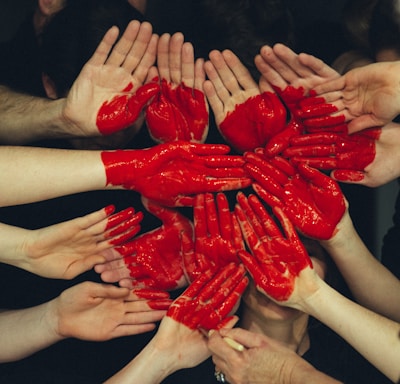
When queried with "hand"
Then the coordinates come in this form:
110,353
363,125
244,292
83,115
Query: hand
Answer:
278,256
245,117
208,304
153,259
68,249
265,360
312,200
369,158
108,94
347,154
210,299
99,312
178,342
180,170
179,111
284,71
217,236
367,96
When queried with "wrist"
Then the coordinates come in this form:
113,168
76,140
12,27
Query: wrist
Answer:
51,321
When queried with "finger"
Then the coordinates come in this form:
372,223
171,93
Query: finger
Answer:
139,47
187,75
108,291
199,74
175,58
240,71
102,51
211,216
227,78
318,66
288,64
163,56
212,69
124,44
224,217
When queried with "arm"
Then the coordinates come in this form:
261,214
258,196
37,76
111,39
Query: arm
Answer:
263,360
361,271
208,304
181,170
68,249
285,274
109,77
376,337
88,311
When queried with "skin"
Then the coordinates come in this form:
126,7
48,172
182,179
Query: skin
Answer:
153,259
88,311
246,116
199,305
68,249
53,172
179,111
113,66
366,106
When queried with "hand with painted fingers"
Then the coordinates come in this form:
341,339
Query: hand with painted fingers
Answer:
263,360
180,170
246,117
312,200
369,157
217,236
277,256
87,311
208,303
100,312
367,97
110,92
179,111
65,250
282,69
153,259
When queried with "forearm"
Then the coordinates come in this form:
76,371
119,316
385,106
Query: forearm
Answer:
12,240
308,374
375,337
361,271
25,331
34,174
26,118
147,368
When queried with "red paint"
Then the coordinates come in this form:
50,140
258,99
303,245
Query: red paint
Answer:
178,113
312,200
209,300
329,151
122,111
119,217
110,209
254,122
278,257
154,259
180,170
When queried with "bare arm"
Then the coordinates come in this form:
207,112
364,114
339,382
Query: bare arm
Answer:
372,285
87,311
33,174
26,118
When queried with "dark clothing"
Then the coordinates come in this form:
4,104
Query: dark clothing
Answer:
20,66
